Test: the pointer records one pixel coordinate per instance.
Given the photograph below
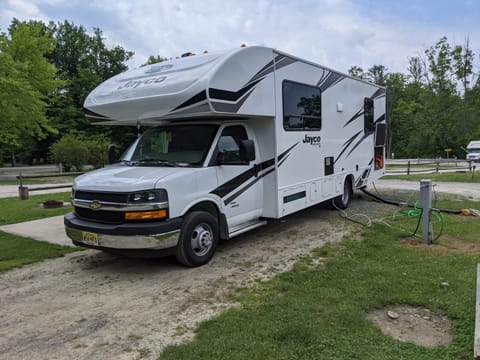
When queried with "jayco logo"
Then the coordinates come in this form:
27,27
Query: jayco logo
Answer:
137,83
312,140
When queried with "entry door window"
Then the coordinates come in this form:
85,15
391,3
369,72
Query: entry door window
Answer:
368,115
229,145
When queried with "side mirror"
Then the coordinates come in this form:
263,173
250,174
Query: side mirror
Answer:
247,150
113,155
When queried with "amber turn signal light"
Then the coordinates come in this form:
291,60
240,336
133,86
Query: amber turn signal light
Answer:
146,215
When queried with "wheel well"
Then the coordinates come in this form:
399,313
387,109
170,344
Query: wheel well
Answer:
205,206
351,179
212,208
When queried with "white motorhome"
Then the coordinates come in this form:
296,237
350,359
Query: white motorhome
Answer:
473,150
233,138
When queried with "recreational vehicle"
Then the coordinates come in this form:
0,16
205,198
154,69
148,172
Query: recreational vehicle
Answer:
232,139
473,150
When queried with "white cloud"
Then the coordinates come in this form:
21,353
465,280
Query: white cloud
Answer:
336,33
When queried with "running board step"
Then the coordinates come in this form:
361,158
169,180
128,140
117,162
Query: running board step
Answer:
246,227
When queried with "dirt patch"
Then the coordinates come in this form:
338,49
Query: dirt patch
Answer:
413,324
445,245
94,305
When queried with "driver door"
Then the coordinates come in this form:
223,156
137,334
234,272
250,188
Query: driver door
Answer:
239,184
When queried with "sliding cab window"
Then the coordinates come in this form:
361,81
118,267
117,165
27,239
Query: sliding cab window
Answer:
302,107
368,116
229,145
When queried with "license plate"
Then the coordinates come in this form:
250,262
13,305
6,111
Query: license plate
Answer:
89,238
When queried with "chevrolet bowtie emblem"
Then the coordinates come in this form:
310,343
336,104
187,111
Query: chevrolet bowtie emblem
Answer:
95,205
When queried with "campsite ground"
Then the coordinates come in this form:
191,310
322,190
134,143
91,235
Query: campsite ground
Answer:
90,304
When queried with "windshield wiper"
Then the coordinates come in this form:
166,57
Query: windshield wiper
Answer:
155,162
127,162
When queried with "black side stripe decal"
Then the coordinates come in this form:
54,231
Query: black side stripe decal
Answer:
282,155
354,117
347,144
359,142
376,95
263,165
379,94
381,118
267,69
242,190
201,96
330,80
230,107
242,178
234,183
219,94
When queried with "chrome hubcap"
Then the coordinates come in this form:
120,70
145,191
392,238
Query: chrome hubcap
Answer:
202,239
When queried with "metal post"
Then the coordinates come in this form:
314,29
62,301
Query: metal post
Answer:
22,190
426,204
408,168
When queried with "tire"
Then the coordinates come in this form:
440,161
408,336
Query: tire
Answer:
198,239
342,201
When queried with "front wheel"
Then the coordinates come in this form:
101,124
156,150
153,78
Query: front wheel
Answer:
343,200
198,239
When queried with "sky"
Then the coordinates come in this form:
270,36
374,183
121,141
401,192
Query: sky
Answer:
334,33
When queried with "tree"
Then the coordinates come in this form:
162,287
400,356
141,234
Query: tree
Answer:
27,80
154,60
439,59
356,71
416,69
463,58
83,61
377,74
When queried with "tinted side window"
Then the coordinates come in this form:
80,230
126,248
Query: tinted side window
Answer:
302,107
229,144
368,115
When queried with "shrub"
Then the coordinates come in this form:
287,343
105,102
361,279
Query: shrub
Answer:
73,151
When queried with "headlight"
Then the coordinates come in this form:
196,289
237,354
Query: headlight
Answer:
148,196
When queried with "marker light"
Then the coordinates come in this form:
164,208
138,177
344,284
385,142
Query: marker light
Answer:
146,215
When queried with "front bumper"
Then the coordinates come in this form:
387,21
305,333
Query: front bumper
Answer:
136,237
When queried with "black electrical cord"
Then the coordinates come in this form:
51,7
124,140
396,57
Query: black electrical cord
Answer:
396,203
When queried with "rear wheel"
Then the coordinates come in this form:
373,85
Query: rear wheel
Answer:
198,239
343,200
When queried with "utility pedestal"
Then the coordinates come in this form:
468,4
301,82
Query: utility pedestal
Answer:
426,204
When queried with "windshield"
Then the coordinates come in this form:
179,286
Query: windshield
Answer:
182,145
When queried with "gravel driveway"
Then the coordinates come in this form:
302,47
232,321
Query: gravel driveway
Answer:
91,305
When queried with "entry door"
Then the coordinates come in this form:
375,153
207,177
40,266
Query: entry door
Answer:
239,183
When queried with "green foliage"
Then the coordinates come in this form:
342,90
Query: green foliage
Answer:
435,106
154,60
83,61
75,151
27,80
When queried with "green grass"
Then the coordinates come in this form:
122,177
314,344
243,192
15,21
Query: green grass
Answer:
318,312
451,176
14,210
16,251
